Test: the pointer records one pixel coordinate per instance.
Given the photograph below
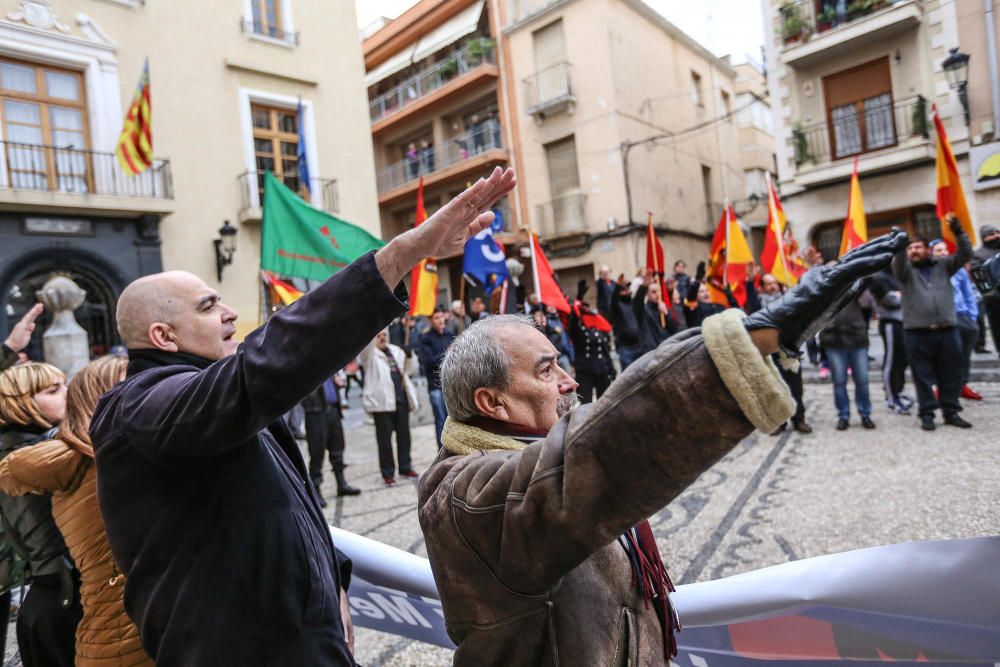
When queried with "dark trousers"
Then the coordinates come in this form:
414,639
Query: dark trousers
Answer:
591,382
4,619
992,308
936,358
794,381
627,354
894,360
385,424
46,633
968,331
324,433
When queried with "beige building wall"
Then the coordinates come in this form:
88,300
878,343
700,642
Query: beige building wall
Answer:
204,72
632,79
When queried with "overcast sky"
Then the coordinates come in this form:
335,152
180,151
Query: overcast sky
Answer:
724,26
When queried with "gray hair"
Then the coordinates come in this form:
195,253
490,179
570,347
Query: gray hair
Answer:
476,359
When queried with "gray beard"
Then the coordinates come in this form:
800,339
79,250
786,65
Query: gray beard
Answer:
566,403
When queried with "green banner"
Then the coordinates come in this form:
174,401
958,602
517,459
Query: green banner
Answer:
298,240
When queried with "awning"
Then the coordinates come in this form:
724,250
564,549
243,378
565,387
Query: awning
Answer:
450,31
398,61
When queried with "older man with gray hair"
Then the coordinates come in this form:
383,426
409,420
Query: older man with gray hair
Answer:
534,512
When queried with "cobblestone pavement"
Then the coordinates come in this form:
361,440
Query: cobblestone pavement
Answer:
771,500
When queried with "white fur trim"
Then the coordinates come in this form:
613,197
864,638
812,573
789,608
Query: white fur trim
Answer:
751,378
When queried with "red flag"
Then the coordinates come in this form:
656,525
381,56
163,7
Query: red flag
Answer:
423,277
729,258
546,286
654,250
950,196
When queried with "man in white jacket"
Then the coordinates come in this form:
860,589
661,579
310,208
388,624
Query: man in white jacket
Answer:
389,397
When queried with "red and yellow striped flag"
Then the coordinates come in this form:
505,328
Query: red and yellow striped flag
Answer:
423,277
856,224
950,196
135,144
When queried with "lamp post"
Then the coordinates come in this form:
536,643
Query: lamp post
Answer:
225,247
956,69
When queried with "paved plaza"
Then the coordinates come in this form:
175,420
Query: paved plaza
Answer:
773,499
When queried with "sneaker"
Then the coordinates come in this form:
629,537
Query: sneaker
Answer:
866,422
902,409
824,373
842,424
955,420
969,394
927,423
412,474
906,400
389,481
802,426
982,350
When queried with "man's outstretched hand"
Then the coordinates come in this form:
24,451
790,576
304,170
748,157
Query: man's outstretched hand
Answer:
20,335
445,232
823,291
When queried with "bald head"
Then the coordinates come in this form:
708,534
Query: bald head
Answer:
175,311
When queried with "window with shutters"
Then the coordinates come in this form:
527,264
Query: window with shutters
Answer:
696,93
276,145
266,17
563,175
552,73
44,116
859,108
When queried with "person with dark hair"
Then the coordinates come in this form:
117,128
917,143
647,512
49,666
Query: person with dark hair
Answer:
655,315
624,324
325,435
681,276
605,287
990,236
589,332
433,344
845,340
933,344
888,301
967,313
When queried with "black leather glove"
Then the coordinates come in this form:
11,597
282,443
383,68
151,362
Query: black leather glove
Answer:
823,292
699,275
954,224
581,289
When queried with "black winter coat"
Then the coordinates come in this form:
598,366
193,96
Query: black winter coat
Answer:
431,351
847,330
205,496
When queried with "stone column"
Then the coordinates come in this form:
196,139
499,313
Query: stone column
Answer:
65,342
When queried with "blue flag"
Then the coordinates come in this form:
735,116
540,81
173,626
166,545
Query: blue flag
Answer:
485,261
304,181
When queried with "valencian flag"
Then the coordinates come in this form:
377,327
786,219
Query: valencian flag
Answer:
855,225
950,197
299,240
135,143
546,286
423,277
281,291
729,257
780,257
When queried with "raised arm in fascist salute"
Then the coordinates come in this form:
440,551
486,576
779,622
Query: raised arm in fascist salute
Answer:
534,513
208,505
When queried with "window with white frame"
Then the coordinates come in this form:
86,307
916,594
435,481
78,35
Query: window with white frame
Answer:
270,19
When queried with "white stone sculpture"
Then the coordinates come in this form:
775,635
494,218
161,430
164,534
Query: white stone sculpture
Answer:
65,342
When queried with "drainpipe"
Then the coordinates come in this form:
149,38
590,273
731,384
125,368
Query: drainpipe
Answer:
991,52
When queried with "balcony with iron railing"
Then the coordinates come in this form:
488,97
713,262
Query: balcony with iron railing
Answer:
456,71
470,150
550,91
269,32
886,134
251,187
563,216
59,178
808,30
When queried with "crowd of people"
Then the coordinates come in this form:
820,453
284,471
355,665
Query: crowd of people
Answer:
162,510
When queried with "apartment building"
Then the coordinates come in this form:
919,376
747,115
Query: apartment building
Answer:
436,113
226,87
620,113
858,80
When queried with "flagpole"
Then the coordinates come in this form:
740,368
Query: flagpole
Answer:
725,263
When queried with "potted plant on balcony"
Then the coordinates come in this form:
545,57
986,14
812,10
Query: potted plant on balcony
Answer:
826,18
918,118
476,49
793,26
800,144
448,67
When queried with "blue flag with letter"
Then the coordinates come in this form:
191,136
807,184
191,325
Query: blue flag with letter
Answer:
485,260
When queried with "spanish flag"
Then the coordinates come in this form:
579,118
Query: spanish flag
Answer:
135,144
855,225
281,291
950,197
780,256
729,257
423,277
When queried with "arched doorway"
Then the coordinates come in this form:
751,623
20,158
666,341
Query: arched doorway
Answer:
96,315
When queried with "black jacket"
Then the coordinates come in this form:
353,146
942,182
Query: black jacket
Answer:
623,319
591,348
27,520
653,329
431,351
847,330
206,498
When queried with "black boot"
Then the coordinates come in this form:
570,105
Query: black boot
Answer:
345,489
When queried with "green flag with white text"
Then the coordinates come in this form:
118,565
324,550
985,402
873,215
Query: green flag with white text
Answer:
299,240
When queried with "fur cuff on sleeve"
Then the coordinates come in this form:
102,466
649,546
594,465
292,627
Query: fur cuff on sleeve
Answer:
752,379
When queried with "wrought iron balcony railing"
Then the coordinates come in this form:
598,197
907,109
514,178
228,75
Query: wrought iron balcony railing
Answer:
76,171
251,185
252,27
482,138
476,53
548,88
797,20
871,125
563,215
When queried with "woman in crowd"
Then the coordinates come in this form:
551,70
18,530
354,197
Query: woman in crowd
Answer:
32,401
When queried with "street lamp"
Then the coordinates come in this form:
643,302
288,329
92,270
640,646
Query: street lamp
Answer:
225,246
956,69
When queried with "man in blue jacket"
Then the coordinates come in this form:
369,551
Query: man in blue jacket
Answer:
207,502
967,312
